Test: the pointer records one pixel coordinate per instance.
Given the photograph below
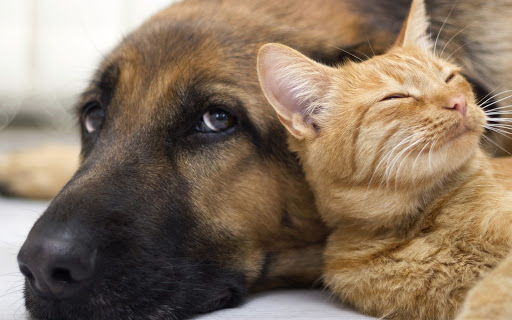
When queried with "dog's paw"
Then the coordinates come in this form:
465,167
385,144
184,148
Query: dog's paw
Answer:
37,173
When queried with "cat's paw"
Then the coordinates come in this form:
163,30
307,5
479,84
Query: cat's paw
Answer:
491,299
37,173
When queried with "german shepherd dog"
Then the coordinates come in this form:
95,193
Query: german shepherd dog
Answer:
187,197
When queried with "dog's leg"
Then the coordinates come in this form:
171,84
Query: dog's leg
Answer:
491,298
37,173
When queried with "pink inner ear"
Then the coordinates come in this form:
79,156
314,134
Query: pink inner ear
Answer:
292,101
289,79
294,85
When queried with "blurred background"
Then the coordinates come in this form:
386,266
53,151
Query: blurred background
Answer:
48,51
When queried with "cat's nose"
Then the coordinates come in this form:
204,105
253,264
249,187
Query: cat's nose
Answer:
459,103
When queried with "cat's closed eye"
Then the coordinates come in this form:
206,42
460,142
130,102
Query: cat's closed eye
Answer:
450,77
394,96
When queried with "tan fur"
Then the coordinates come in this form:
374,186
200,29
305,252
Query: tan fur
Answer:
252,209
314,26
418,212
476,34
34,171
492,297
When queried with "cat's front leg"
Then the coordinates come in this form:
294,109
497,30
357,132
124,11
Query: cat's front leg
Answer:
396,280
491,298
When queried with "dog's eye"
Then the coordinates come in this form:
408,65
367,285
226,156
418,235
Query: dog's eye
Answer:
216,120
93,117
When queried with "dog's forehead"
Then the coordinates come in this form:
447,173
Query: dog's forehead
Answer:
163,69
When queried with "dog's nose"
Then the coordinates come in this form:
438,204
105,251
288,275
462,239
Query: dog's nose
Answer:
57,267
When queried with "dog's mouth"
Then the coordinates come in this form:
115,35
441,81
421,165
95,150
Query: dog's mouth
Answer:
168,301
84,273
223,298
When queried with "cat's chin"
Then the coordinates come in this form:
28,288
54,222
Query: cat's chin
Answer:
460,135
463,138
458,148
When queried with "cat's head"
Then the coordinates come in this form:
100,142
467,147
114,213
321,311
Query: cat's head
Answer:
405,116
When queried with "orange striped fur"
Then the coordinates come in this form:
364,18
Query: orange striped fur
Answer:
418,212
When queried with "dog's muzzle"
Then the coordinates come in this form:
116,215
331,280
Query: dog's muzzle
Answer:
58,264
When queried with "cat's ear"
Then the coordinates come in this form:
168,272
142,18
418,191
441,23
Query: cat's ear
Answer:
294,85
415,29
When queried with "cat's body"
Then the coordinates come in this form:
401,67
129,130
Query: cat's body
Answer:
418,212
425,273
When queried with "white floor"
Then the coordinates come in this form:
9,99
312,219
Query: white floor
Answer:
17,217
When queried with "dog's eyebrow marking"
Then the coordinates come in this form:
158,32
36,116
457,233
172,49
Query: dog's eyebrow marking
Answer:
107,82
108,77
102,86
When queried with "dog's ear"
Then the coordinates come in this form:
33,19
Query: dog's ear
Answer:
415,29
295,86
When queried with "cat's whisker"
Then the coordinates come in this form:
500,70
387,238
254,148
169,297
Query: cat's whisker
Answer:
488,105
385,176
462,46
494,143
369,43
503,133
480,103
430,154
508,107
427,50
376,168
419,154
500,120
404,159
500,125
389,164
505,111
455,35
396,159
386,156
353,55
442,26
347,52
499,113
507,132
364,54
483,140
496,126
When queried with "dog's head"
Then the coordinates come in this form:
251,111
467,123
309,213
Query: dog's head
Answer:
187,196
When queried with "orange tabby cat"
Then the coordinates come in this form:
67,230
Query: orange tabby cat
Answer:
390,146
